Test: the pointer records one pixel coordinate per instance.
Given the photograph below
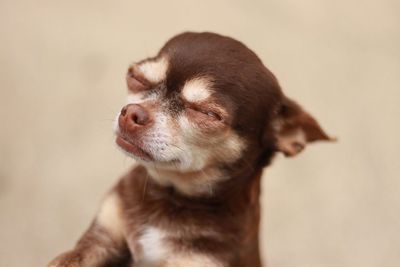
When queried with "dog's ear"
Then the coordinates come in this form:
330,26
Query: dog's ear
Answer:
294,128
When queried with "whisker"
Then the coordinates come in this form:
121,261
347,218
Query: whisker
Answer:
176,146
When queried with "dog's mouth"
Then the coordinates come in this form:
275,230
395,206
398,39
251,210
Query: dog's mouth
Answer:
132,148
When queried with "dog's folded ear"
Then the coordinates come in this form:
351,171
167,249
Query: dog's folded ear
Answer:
294,128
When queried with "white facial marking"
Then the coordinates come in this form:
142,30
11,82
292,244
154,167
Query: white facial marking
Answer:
135,98
140,97
110,215
196,90
155,71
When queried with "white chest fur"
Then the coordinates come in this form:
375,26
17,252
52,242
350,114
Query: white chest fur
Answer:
154,248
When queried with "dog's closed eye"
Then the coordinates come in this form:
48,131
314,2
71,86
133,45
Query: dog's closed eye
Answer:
210,114
135,80
204,112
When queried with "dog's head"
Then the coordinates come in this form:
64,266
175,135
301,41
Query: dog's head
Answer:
207,101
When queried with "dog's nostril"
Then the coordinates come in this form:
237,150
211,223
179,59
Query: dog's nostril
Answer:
135,119
130,72
123,111
140,116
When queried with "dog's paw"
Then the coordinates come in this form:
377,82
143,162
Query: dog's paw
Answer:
67,259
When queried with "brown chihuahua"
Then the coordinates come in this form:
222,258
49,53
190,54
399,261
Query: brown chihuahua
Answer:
203,118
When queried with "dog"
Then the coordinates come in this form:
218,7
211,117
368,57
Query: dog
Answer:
203,118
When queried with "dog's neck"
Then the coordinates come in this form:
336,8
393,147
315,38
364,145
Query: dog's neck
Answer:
193,183
208,182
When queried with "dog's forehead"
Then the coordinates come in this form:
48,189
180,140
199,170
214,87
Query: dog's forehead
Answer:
193,88
190,55
196,66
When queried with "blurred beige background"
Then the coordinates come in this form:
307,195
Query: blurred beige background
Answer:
62,82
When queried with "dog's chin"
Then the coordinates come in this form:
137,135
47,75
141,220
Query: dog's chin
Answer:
133,150
139,153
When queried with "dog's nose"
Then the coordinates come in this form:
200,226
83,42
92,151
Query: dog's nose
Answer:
134,115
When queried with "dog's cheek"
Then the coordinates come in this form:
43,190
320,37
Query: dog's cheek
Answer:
209,148
232,148
198,129
166,140
161,138
193,153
